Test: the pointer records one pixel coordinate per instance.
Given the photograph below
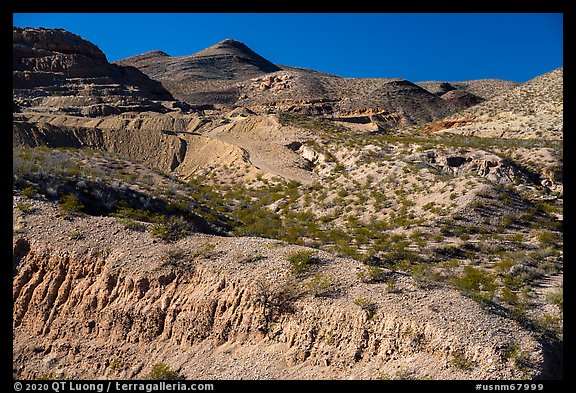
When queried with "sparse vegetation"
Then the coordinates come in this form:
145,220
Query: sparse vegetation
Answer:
71,205
170,229
177,258
301,261
162,372
275,299
25,207
461,361
320,285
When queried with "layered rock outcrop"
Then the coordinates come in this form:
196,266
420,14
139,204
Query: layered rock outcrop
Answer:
57,71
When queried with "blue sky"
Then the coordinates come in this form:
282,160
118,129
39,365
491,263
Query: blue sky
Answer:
417,47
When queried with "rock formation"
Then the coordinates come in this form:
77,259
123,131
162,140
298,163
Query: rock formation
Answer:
54,70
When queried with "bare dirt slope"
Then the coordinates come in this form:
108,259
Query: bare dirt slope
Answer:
118,301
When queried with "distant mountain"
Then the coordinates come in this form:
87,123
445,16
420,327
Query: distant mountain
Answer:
205,77
230,73
482,88
228,60
391,102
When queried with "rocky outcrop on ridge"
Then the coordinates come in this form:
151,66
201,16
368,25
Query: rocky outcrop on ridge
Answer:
57,71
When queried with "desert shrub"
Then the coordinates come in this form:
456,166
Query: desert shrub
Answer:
133,225
74,235
319,285
170,229
25,207
508,220
205,250
391,286
116,364
70,205
123,210
508,351
162,372
372,274
28,191
275,300
450,251
258,222
548,238
476,282
557,298
177,258
523,361
460,361
300,261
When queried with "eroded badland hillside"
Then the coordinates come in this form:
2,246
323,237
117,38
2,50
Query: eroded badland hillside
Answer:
226,217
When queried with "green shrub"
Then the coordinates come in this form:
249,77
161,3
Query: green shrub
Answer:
176,258
116,364
391,286
548,238
509,351
74,235
372,274
161,372
460,361
133,225
71,205
125,211
275,299
170,229
300,261
319,285
25,207
476,281
557,298
28,192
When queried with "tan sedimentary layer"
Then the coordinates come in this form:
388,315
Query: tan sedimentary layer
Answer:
80,305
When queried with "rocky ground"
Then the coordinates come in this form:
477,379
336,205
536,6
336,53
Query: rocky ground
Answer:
95,299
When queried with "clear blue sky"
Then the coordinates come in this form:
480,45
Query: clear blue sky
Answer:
417,46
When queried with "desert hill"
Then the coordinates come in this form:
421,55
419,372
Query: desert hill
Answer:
229,73
228,59
482,88
533,109
256,221
205,77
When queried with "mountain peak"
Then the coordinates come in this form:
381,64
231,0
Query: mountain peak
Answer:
230,46
229,42
231,54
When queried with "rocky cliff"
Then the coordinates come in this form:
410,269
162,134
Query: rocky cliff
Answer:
55,70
